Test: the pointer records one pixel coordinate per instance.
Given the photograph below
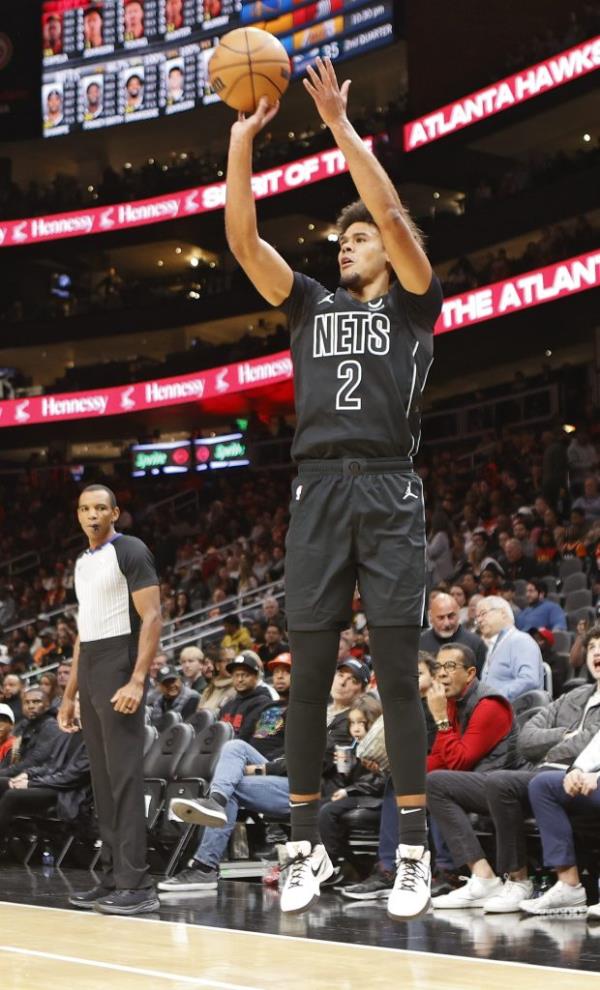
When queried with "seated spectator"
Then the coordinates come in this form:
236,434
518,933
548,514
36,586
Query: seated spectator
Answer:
270,611
551,739
558,663
274,643
243,709
361,787
7,721
514,662
44,654
440,564
490,579
190,660
49,684
445,628
35,734
12,687
236,635
62,783
63,672
160,660
589,502
175,696
577,651
546,552
507,592
244,778
246,758
220,687
555,795
458,593
540,612
515,564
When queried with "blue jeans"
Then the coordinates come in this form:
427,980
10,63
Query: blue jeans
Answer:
552,805
270,795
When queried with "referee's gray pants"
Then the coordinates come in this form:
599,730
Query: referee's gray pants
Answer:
115,744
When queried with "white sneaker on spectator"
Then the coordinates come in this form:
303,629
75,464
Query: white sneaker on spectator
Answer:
304,869
509,897
594,912
474,893
410,897
562,898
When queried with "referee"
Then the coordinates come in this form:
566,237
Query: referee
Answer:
119,629
361,356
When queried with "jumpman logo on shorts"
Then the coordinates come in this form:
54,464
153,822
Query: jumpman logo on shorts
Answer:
408,493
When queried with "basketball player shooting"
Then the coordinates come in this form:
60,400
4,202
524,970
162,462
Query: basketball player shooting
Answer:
361,355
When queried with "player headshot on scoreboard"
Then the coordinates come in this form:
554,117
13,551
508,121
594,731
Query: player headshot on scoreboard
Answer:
92,97
133,20
175,81
52,35
52,104
174,17
212,8
93,27
134,89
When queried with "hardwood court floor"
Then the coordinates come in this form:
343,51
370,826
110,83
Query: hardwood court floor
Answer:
236,939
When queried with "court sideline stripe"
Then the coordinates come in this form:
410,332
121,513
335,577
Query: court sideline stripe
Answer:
133,970
322,941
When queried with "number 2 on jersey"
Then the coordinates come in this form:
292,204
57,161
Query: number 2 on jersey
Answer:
350,372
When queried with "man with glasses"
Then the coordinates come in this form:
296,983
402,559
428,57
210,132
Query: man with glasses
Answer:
514,661
445,627
552,739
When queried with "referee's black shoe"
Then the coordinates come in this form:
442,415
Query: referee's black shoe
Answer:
87,898
142,901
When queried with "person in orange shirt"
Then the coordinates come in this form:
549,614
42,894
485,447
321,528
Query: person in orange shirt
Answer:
48,646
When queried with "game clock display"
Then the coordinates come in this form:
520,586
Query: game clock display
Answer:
108,62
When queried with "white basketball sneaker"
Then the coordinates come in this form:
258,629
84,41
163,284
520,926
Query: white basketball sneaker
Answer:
304,869
410,896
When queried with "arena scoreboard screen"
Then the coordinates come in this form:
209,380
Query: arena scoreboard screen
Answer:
117,61
185,456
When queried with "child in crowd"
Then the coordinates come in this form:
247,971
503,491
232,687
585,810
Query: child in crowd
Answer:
359,787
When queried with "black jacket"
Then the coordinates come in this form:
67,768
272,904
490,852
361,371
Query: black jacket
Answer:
186,703
38,738
68,773
242,711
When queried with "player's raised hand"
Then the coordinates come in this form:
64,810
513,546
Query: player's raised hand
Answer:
250,126
330,100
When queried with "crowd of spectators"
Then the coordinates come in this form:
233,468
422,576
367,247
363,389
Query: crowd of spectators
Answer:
499,538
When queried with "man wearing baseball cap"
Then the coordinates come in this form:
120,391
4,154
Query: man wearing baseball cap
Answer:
250,697
175,696
250,774
7,721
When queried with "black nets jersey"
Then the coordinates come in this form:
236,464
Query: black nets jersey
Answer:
359,369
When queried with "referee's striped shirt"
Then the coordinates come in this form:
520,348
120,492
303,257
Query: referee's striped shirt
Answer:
105,579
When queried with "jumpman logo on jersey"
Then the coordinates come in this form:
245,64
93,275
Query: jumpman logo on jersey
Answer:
408,493
376,304
326,299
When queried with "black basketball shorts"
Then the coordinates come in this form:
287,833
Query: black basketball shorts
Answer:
355,520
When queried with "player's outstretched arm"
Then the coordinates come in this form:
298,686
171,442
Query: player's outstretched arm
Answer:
267,270
372,182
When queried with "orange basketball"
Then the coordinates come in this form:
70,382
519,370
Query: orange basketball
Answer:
249,63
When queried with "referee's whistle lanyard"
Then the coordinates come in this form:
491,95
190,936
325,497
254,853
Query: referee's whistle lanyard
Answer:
114,537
